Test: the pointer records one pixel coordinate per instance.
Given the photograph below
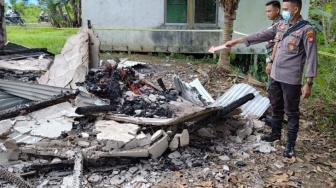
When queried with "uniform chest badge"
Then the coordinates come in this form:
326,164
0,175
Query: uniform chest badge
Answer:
291,47
298,31
292,41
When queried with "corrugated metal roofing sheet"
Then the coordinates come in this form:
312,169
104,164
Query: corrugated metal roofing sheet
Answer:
43,92
254,108
8,101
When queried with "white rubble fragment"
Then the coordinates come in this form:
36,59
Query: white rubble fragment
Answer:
257,124
174,155
5,127
251,138
112,130
70,153
133,169
56,160
152,98
224,158
117,180
83,143
184,138
156,135
67,182
95,178
205,133
174,144
264,148
85,135
236,139
129,95
226,168
139,178
157,149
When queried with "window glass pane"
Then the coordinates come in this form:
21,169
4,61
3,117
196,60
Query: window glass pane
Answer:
177,11
205,11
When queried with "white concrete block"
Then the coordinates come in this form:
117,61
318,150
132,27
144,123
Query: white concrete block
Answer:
184,139
157,149
5,127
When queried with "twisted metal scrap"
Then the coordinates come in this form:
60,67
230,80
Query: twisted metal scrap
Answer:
8,176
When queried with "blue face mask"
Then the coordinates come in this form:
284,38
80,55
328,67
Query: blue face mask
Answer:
286,15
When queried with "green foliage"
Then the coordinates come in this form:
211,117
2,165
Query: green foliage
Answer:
50,38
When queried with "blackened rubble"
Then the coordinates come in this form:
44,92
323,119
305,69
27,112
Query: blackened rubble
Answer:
129,93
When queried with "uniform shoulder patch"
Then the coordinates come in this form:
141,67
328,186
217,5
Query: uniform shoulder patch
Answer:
310,35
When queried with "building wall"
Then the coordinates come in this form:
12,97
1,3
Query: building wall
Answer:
139,25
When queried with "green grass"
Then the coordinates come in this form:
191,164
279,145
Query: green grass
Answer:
34,37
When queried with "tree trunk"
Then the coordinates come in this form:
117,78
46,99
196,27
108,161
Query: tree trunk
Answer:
2,25
224,58
75,12
79,14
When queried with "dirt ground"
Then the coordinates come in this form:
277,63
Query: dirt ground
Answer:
313,166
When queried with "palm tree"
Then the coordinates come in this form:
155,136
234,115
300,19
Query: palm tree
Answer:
229,8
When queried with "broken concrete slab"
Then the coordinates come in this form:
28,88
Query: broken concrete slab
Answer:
5,127
128,153
157,149
29,64
112,130
49,122
71,66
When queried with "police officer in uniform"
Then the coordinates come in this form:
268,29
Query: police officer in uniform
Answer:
272,13
296,48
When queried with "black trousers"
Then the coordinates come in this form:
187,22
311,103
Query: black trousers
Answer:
285,99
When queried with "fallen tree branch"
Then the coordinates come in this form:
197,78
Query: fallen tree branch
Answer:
34,106
214,116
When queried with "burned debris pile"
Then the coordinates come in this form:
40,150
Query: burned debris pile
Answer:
85,122
129,93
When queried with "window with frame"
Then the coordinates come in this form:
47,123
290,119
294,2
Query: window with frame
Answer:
202,11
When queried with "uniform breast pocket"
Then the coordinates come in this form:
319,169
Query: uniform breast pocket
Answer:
292,44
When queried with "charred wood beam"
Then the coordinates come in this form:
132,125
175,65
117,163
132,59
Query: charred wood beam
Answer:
34,106
95,109
161,84
8,176
87,162
213,117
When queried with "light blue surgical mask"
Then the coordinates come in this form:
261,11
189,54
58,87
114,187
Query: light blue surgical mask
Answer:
286,15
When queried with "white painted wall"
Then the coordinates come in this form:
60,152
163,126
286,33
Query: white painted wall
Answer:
132,25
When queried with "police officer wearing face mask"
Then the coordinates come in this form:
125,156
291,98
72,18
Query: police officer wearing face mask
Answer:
296,48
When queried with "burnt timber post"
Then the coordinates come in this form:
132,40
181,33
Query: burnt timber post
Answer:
2,25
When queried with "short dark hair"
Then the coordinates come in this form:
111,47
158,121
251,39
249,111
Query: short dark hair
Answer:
275,4
296,2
